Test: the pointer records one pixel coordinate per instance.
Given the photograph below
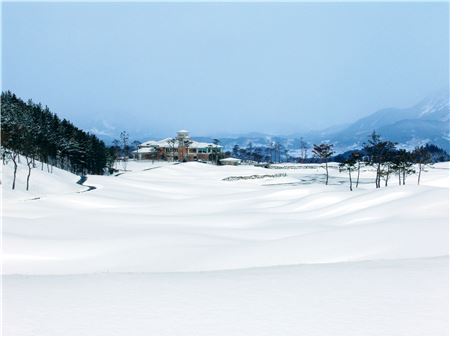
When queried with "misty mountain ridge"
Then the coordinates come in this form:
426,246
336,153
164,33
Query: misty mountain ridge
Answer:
431,108
425,122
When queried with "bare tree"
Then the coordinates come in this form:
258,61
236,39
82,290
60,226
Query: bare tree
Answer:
172,142
323,151
303,150
125,149
28,148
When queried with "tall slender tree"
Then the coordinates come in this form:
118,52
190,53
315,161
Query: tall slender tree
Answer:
323,151
124,137
356,156
349,166
422,157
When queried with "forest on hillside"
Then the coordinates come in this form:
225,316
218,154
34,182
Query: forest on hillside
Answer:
34,132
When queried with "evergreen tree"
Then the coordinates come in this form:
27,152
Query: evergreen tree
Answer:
379,153
422,157
323,152
402,163
349,165
34,132
125,149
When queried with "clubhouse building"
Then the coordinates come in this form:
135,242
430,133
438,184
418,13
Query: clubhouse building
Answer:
179,148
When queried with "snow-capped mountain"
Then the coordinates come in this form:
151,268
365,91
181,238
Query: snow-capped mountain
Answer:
427,121
432,108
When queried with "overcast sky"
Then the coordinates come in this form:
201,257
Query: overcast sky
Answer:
221,68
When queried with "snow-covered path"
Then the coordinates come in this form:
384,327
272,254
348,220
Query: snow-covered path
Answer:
177,250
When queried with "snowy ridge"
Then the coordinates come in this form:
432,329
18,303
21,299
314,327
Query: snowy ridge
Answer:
436,106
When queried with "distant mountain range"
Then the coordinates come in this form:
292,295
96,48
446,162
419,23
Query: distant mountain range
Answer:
425,122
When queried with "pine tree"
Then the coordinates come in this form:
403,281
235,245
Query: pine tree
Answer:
323,152
33,131
421,156
349,165
379,153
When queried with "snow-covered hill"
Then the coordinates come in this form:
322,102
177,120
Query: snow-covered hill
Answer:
42,182
175,249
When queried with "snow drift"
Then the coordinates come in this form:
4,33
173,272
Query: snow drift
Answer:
179,250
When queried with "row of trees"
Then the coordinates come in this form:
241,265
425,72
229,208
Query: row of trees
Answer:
383,156
32,131
273,152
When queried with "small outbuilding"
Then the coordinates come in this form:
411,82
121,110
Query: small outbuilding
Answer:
230,161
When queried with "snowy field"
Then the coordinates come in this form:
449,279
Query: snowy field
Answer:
168,249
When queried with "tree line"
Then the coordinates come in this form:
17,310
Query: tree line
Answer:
383,156
32,131
273,152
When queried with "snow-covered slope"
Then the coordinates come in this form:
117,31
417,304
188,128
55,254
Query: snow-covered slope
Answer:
175,249
42,182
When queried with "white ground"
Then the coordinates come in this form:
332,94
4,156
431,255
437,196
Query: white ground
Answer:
175,250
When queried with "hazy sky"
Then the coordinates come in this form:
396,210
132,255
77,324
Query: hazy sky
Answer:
216,68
